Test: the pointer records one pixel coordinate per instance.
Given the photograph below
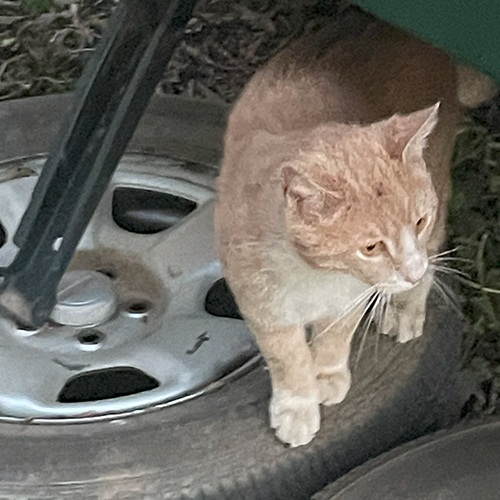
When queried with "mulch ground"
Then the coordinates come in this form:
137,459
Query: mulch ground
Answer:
225,42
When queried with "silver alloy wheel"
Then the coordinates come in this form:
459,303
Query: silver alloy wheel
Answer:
131,304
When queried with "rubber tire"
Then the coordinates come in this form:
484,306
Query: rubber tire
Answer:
220,446
459,464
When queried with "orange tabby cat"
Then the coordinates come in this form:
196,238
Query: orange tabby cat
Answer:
332,198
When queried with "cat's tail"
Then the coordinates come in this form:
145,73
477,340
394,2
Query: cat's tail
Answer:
474,87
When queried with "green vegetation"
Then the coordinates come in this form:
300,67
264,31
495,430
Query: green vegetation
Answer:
474,230
38,7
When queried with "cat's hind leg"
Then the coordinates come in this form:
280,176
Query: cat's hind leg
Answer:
294,407
331,346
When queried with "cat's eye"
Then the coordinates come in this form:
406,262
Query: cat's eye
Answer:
373,249
420,224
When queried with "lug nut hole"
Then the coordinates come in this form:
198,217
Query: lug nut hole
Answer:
3,236
90,338
25,330
138,308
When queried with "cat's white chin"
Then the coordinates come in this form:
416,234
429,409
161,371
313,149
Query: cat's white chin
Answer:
396,285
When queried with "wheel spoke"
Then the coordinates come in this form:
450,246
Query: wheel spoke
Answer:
30,382
103,232
14,199
185,259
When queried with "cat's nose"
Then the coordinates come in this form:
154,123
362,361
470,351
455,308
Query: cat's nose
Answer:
413,269
414,260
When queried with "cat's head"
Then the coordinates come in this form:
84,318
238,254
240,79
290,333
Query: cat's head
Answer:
360,199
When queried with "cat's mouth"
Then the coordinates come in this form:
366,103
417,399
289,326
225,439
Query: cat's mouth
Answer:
396,284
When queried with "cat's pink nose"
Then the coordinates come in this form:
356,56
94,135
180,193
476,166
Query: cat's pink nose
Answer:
414,270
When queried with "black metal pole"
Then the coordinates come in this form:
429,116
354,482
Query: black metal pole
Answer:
113,94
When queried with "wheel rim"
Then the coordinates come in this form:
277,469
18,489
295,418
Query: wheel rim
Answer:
156,344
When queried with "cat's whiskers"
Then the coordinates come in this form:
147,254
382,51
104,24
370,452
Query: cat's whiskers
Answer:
440,268
443,254
451,259
373,304
365,296
387,305
382,320
382,313
271,239
357,302
447,294
440,260
372,300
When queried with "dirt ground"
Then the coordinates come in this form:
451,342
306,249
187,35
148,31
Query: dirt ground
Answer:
44,45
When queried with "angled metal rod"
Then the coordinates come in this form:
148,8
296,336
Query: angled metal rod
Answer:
113,94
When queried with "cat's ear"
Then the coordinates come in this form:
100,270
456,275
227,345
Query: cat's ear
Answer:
406,135
310,201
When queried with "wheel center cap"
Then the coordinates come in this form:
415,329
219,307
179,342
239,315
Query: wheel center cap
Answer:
84,298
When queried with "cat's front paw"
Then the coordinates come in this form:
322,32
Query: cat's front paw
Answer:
296,419
411,325
333,387
389,323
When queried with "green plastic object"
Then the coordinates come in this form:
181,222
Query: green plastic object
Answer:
468,29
